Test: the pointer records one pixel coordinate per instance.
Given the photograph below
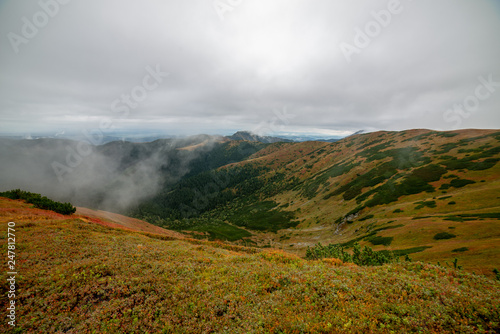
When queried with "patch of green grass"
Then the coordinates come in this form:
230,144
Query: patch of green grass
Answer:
446,134
415,182
444,197
366,237
310,188
444,235
470,150
461,249
222,231
370,179
445,148
379,240
418,137
423,204
453,163
481,215
408,251
351,242
456,183
421,217
476,216
403,158
375,148
455,219
262,216
366,217
387,227
429,173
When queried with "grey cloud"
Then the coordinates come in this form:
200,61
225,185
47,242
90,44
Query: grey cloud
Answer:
115,176
231,74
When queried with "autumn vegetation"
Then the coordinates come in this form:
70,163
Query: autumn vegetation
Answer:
385,232
80,276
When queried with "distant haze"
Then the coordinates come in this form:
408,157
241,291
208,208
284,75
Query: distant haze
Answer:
113,176
286,66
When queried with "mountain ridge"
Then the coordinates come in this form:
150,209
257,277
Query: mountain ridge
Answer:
309,190
249,136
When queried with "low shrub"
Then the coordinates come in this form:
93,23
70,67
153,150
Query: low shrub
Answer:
444,235
422,204
378,240
459,183
40,201
362,257
366,217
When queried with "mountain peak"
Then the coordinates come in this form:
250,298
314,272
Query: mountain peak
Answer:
249,136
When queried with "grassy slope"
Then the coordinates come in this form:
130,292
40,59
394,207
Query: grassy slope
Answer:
317,215
79,276
120,221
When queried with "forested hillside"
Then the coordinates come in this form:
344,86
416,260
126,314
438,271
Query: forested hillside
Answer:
420,192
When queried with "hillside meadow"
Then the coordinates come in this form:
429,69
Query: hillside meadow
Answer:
80,275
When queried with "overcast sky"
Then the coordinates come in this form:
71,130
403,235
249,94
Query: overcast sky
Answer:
322,66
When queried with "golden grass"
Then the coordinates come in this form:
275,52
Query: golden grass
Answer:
78,276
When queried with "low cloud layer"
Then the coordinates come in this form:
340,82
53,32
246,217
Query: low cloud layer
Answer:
185,67
115,177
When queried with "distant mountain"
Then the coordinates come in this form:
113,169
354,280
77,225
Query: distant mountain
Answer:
302,138
357,133
249,136
246,135
139,137
99,140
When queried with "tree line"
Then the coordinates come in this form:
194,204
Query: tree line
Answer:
40,201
